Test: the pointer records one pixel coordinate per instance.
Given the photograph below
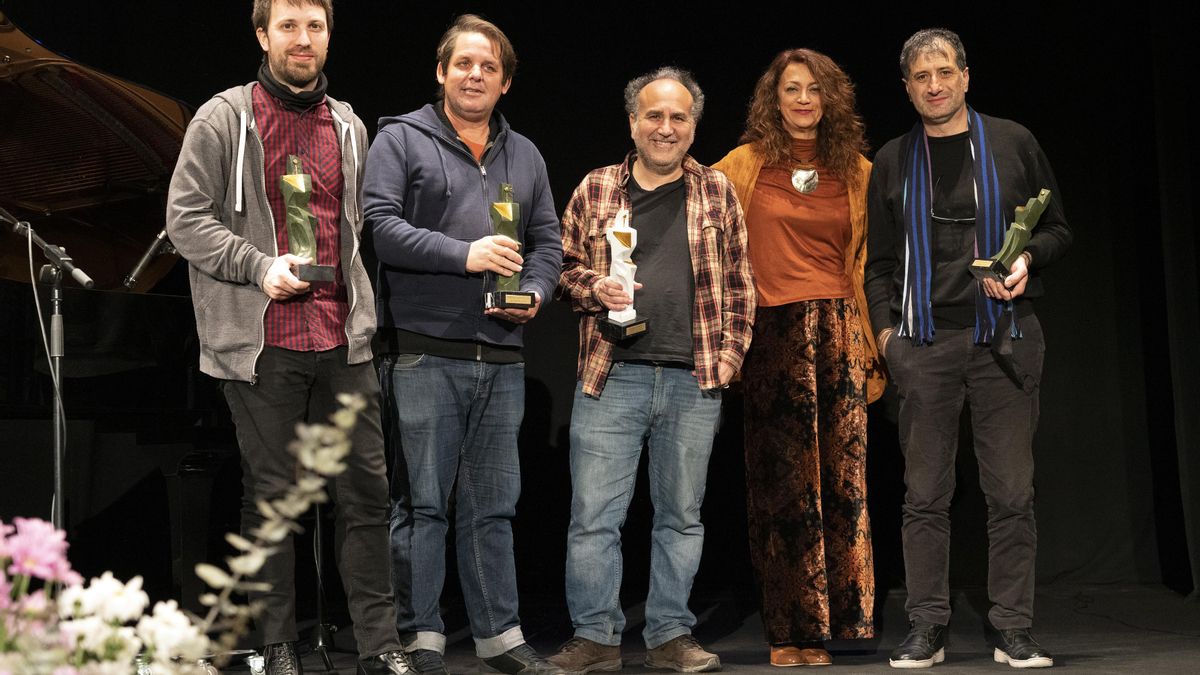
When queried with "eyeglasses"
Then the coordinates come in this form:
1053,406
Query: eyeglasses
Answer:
950,221
946,221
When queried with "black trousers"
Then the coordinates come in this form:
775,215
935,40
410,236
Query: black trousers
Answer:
296,387
933,382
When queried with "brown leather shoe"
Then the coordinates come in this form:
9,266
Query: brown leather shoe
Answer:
791,655
581,655
683,655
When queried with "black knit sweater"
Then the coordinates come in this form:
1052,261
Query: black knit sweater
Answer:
1022,169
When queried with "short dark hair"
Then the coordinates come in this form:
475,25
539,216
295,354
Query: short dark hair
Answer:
637,84
471,23
260,16
927,40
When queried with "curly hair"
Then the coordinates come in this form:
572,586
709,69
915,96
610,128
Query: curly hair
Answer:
637,84
840,136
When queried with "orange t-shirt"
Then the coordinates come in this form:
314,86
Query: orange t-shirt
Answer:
798,241
476,148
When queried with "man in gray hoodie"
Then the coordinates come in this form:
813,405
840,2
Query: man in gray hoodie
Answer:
282,348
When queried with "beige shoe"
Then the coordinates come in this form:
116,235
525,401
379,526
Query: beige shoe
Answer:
684,655
581,655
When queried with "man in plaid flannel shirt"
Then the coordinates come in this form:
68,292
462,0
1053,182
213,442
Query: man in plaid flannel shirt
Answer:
662,387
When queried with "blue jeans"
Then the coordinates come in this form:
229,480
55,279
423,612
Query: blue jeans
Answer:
448,419
667,407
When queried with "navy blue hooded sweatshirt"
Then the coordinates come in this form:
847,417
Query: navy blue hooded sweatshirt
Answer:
425,199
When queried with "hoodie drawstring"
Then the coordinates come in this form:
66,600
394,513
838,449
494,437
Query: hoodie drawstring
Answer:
445,173
241,161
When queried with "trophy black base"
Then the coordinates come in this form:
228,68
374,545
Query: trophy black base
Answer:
623,330
987,268
315,274
509,300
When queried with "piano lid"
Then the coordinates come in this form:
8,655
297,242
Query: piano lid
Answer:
84,156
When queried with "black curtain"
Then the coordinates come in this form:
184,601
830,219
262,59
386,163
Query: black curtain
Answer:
1175,63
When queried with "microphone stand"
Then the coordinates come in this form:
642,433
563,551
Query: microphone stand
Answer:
52,275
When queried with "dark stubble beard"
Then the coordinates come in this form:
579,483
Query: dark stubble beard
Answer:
656,167
294,76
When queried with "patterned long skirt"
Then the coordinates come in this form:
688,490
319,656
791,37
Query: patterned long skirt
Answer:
806,450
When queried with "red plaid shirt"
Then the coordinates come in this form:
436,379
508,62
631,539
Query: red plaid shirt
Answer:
723,307
314,321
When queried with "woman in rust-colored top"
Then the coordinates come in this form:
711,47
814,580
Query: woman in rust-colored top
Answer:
812,366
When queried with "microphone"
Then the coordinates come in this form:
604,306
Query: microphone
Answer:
132,278
55,254
11,220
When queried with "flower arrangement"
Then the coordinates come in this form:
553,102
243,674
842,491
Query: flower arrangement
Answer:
52,623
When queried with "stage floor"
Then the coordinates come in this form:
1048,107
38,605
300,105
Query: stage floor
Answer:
1088,629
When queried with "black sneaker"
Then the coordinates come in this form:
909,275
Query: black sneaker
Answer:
387,663
1017,648
924,646
523,660
280,659
428,662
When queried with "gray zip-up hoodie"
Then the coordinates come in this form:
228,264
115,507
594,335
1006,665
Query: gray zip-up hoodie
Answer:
219,218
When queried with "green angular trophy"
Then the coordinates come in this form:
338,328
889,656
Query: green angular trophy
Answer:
506,292
301,223
998,267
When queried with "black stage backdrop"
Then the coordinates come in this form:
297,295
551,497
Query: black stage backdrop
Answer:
1104,89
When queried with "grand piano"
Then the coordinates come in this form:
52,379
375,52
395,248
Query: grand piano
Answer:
85,158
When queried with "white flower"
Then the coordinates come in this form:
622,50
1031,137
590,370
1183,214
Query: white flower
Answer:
105,668
105,597
125,603
122,645
76,631
99,590
94,637
70,601
167,633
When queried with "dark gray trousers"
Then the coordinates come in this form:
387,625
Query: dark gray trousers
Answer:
933,382
298,387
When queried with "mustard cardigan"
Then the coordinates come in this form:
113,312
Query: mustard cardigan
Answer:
742,166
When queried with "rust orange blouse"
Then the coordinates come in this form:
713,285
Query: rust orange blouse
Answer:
743,166
798,241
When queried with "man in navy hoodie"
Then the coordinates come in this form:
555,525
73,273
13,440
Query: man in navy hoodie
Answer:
453,375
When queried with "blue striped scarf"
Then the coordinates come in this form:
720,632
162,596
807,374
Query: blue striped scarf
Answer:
916,311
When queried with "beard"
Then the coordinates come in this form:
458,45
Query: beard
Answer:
664,164
293,74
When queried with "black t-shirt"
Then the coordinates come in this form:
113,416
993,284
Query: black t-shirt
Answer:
664,268
952,291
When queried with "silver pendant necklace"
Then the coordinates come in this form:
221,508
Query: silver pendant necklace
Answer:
805,180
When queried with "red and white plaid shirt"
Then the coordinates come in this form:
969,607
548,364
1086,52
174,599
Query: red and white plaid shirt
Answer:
723,307
314,321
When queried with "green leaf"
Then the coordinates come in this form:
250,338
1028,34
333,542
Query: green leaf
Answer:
213,576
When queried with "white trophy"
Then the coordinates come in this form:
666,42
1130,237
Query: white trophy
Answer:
622,239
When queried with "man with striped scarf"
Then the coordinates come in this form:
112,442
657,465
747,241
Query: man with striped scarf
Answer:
939,197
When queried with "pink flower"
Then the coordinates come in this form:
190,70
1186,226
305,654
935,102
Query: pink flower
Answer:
34,604
62,572
5,590
5,530
38,549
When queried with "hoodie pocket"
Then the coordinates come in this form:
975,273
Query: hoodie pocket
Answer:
230,317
